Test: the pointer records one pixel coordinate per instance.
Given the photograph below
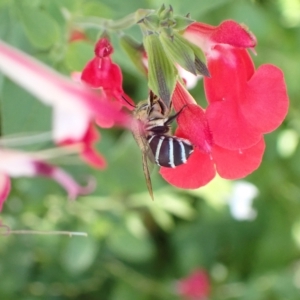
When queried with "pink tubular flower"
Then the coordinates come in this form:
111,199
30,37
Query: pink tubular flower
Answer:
16,164
244,103
208,157
101,72
75,107
194,287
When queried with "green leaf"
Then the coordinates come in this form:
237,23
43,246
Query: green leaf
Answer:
41,29
124,291
127,246
162,74
135,52
97,9
21,112
179,52
78,54
162,217
176,205
79,254
4,22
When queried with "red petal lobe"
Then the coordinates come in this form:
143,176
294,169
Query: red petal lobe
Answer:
229,127
238,164
193,125
266,100
89,154
232,33
181,97
229,70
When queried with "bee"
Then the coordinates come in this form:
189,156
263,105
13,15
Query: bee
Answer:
152,131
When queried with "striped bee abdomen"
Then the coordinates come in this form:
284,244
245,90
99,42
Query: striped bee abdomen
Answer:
169,151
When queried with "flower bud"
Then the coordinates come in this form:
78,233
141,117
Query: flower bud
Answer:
182,23
152,22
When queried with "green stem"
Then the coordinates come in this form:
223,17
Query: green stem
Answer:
112,25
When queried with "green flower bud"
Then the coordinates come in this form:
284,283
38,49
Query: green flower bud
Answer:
152,22
160,10
182,22
166,13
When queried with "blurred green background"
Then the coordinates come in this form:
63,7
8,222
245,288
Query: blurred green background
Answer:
136,248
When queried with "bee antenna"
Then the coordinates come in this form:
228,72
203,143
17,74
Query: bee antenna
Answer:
124,98
172,118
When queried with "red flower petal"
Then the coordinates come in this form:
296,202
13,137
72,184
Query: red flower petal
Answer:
101,72
266,101
181,97
231,33
238,164
228,32
229,70
193,125
191,119
229,127
89,154
4,188
195,286
197,172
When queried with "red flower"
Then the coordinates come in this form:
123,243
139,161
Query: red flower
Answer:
244,103
208,157
194,287
75,107
77,35
102,73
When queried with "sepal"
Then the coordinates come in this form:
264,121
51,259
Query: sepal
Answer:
199,59
182,23
179,52
135,52
152,22
164,18
162,74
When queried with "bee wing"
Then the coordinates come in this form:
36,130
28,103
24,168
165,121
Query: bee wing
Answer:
147,155
147,161
147,173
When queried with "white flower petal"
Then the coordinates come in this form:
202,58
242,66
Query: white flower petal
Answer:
72,124
240,202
